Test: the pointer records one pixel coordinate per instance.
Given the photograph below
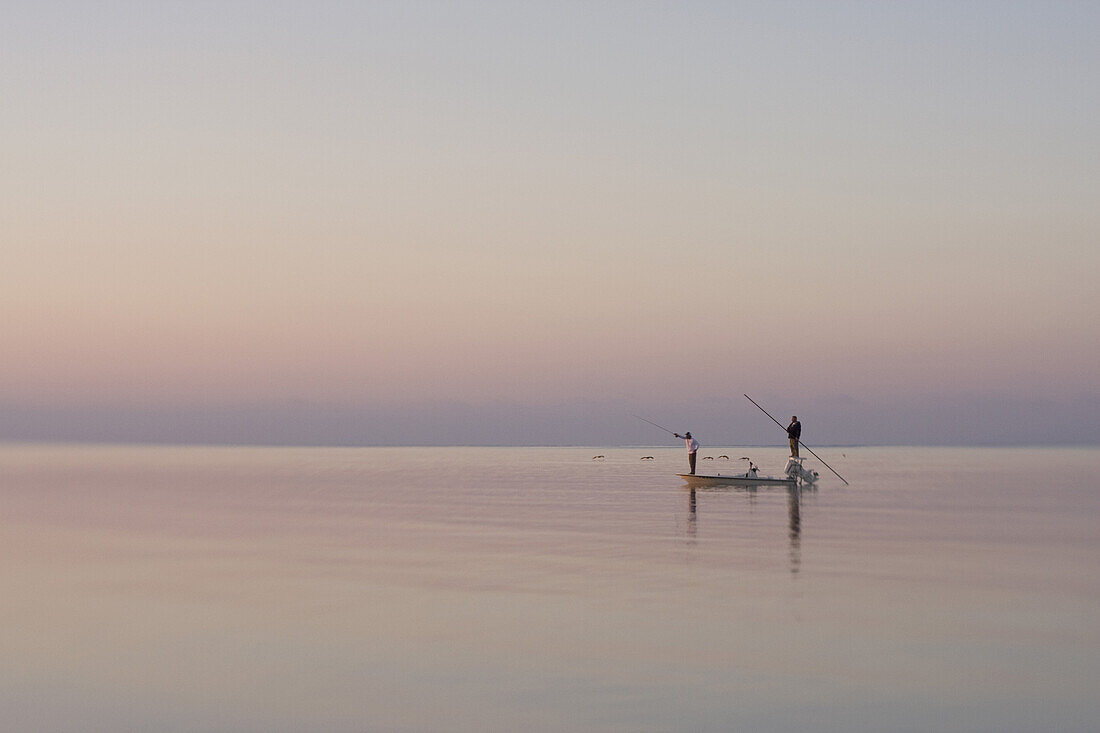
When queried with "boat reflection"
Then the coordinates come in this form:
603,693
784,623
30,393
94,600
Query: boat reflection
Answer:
794,513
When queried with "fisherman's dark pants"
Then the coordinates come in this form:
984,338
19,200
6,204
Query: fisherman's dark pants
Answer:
691,461
794,448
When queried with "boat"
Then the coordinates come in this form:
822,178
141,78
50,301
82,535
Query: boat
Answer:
742,479
794,472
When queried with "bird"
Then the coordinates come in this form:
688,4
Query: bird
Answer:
594,458
647,458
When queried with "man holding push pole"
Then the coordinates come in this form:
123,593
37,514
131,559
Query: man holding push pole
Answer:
794,432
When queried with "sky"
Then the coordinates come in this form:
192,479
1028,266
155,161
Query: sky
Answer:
523,223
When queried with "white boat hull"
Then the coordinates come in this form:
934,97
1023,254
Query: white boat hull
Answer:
742,479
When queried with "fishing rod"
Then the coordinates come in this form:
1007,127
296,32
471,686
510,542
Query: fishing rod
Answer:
656,425
662,427
750,399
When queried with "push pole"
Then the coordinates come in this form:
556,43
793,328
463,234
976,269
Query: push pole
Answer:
750,399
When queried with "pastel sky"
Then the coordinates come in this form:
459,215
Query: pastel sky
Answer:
520,222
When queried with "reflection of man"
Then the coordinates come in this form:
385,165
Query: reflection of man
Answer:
691,528
794,432
793,513
692,446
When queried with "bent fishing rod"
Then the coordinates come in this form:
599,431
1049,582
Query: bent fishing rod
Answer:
657,426
670,432
750,399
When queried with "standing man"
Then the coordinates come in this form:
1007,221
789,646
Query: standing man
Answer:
692,446
794,432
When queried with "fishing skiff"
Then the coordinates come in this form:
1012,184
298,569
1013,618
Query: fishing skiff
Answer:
794,472
742,479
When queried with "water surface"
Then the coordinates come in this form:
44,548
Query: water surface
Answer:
473,589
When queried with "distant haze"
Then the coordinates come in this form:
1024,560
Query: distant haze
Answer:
495,223
723,422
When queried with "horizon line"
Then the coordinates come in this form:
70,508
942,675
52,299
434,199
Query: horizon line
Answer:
199,444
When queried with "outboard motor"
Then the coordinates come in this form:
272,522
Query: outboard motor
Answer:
796,470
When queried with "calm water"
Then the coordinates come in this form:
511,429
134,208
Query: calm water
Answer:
475,589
